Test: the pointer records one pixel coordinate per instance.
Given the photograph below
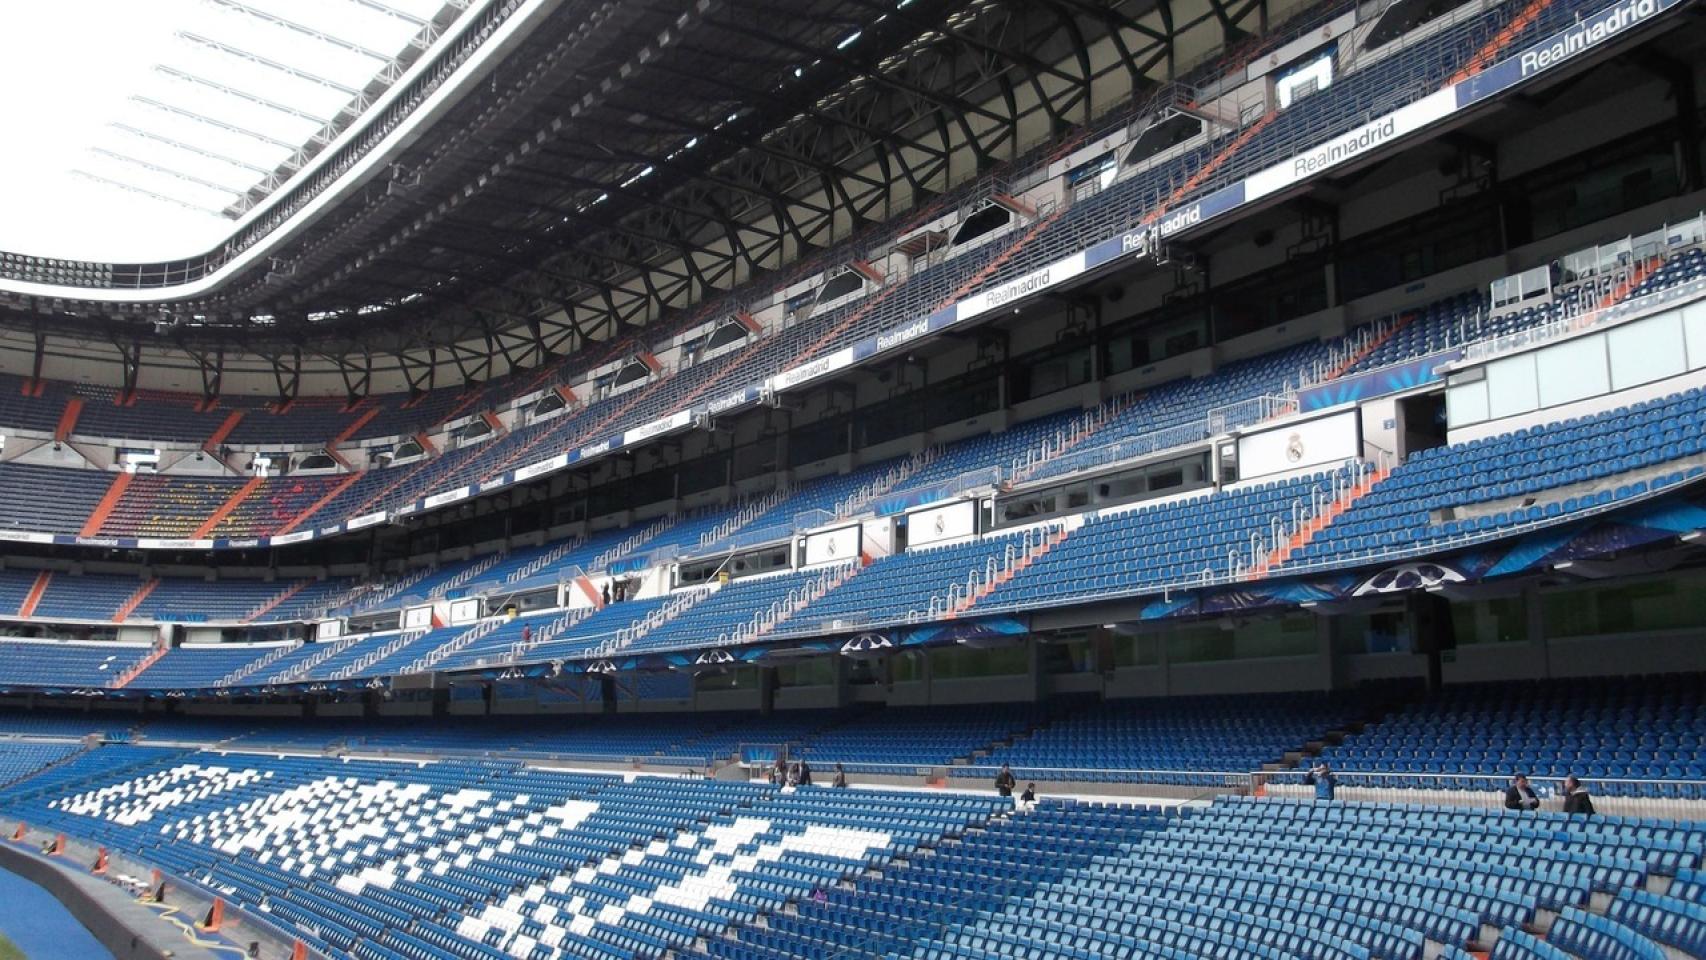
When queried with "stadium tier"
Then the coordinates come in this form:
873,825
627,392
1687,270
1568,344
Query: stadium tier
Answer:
463,858
176,507
894,480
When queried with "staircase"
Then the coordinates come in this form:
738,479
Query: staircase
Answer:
1489,53
1635,277
677,605
217,437
33,598
1304,528
332,494
104,509
228,507
250,669
386,649
122,680
551,631
303,669
766,621
1070,436
68,418
270,605
456,644
129,606
1035,545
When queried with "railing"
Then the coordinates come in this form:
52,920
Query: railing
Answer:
454,645
1573,319
250,669
1067,437
894,477
752,511
464,575
303,669
385,650
544,560
1218,420
797,599
605,560
675,607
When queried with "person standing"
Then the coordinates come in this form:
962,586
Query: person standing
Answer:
1521,796
840,781
1324,780
1005,781
1576,799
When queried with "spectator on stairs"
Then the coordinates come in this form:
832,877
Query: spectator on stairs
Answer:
1005,781
840,781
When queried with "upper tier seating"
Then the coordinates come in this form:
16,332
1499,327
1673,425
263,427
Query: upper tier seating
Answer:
170,507
76,493
65,664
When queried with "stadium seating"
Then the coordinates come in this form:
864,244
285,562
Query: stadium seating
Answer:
1602,730
89,596
446,857
76,493
1513,473
1115,740
65,664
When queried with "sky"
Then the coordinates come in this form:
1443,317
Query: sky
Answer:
75,70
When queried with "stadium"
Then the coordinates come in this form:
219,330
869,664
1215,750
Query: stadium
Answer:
834,479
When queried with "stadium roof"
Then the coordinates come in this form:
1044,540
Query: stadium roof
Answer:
152,126
580,168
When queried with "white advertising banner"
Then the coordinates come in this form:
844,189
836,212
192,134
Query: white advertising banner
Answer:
832,546
1298,445
936,524
418,618
1348,146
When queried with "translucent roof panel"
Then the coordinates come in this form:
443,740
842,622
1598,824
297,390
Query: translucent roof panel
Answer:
134,129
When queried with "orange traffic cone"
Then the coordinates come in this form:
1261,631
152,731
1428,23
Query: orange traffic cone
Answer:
100,866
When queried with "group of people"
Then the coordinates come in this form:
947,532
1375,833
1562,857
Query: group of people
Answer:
1005,782
799,774
1520,796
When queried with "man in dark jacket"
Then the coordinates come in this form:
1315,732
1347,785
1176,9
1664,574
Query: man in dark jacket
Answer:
1521,796
1576,799
840,781
1005,781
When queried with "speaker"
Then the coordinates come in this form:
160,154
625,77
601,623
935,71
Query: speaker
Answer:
1431,627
